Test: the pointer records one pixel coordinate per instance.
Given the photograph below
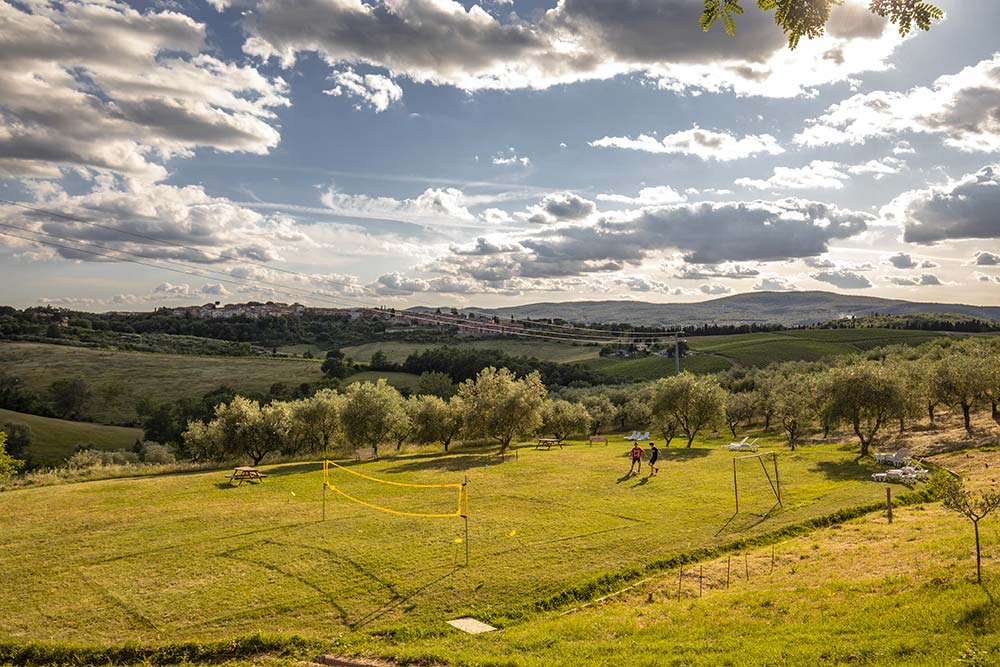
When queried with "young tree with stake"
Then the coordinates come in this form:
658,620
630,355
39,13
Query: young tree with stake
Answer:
955,497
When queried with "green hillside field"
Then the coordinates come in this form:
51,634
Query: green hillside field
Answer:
54,439
397,351
189,557
761,349
119,379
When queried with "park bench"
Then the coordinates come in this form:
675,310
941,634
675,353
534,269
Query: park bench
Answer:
366,454
598,438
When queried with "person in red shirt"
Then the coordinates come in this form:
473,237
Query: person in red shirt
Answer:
636,456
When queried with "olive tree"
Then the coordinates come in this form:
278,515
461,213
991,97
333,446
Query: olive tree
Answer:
866,396
372,413
436,420
962,379
690,401
241,428
739,409
601,411
202,440
499,406
955,497
562,418
316,420
793,408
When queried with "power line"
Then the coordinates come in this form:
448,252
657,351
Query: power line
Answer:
582,332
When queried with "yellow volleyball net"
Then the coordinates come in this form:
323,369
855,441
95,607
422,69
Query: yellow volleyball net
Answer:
461,499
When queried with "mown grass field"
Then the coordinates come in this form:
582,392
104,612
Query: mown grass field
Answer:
761,349
397,351
53,439
119,379
189,557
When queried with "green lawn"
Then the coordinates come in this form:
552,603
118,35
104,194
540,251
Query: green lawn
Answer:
187,557
54,439
397,351
655,367
860,593
119,379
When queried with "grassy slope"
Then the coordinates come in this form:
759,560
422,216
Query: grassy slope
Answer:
120,379
761,349
540,349
653,368
864,592
54,439
82,563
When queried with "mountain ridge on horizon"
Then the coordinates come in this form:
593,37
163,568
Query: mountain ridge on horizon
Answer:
786,308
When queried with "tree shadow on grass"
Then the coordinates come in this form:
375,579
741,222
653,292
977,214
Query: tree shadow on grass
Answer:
843,471
744,521
449,463
685,454
295,469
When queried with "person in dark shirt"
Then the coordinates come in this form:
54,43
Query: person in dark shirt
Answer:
654,455
636,456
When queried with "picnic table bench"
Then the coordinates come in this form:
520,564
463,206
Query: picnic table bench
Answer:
245,474
547,443
598,438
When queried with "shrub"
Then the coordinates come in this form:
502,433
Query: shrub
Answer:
87,457
157,454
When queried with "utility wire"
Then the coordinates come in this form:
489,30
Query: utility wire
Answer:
581,331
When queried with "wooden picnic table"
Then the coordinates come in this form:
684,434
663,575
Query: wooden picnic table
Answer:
547,443
245,474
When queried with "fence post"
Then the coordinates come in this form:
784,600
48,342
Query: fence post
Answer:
888,502
729,566
746,565
680,577
700,572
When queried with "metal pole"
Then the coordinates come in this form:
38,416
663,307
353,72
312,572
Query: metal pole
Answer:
777,482
736,490
324,501
465,495
746,565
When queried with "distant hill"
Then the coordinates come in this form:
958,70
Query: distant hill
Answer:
786,308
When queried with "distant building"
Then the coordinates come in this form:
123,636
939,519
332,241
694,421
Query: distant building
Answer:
252,310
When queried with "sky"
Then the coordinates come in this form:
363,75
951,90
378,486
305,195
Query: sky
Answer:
434,152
